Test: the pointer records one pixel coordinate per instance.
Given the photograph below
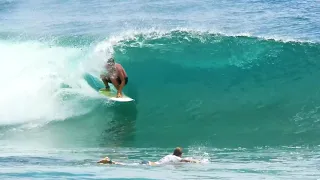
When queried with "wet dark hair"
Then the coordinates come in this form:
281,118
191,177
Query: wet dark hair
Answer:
177,151
110,60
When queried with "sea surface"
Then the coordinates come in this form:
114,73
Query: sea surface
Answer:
234,83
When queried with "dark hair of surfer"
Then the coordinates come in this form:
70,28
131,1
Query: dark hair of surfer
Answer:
110,61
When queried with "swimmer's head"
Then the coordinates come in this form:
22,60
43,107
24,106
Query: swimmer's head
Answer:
177,151
105,160
110,63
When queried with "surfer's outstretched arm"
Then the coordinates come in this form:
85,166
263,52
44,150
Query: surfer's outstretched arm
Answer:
190,161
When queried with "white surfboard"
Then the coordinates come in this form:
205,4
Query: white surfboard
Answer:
112,95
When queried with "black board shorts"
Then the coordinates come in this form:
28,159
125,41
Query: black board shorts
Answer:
118,80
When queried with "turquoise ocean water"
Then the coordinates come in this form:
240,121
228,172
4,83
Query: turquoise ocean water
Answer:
235,83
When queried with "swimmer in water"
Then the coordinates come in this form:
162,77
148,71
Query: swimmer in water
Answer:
175,157
107,160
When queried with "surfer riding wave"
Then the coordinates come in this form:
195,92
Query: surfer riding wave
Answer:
115,75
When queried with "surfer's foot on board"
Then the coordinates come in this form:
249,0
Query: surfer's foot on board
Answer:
119,95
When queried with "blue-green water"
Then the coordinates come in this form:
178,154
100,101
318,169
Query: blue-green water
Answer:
232,82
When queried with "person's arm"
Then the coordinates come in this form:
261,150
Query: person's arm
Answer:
189,160
118,163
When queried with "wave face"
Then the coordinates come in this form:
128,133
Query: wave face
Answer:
191,88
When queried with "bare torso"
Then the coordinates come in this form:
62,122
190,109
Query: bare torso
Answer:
118,71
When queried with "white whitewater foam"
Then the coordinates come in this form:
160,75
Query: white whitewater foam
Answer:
31,77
